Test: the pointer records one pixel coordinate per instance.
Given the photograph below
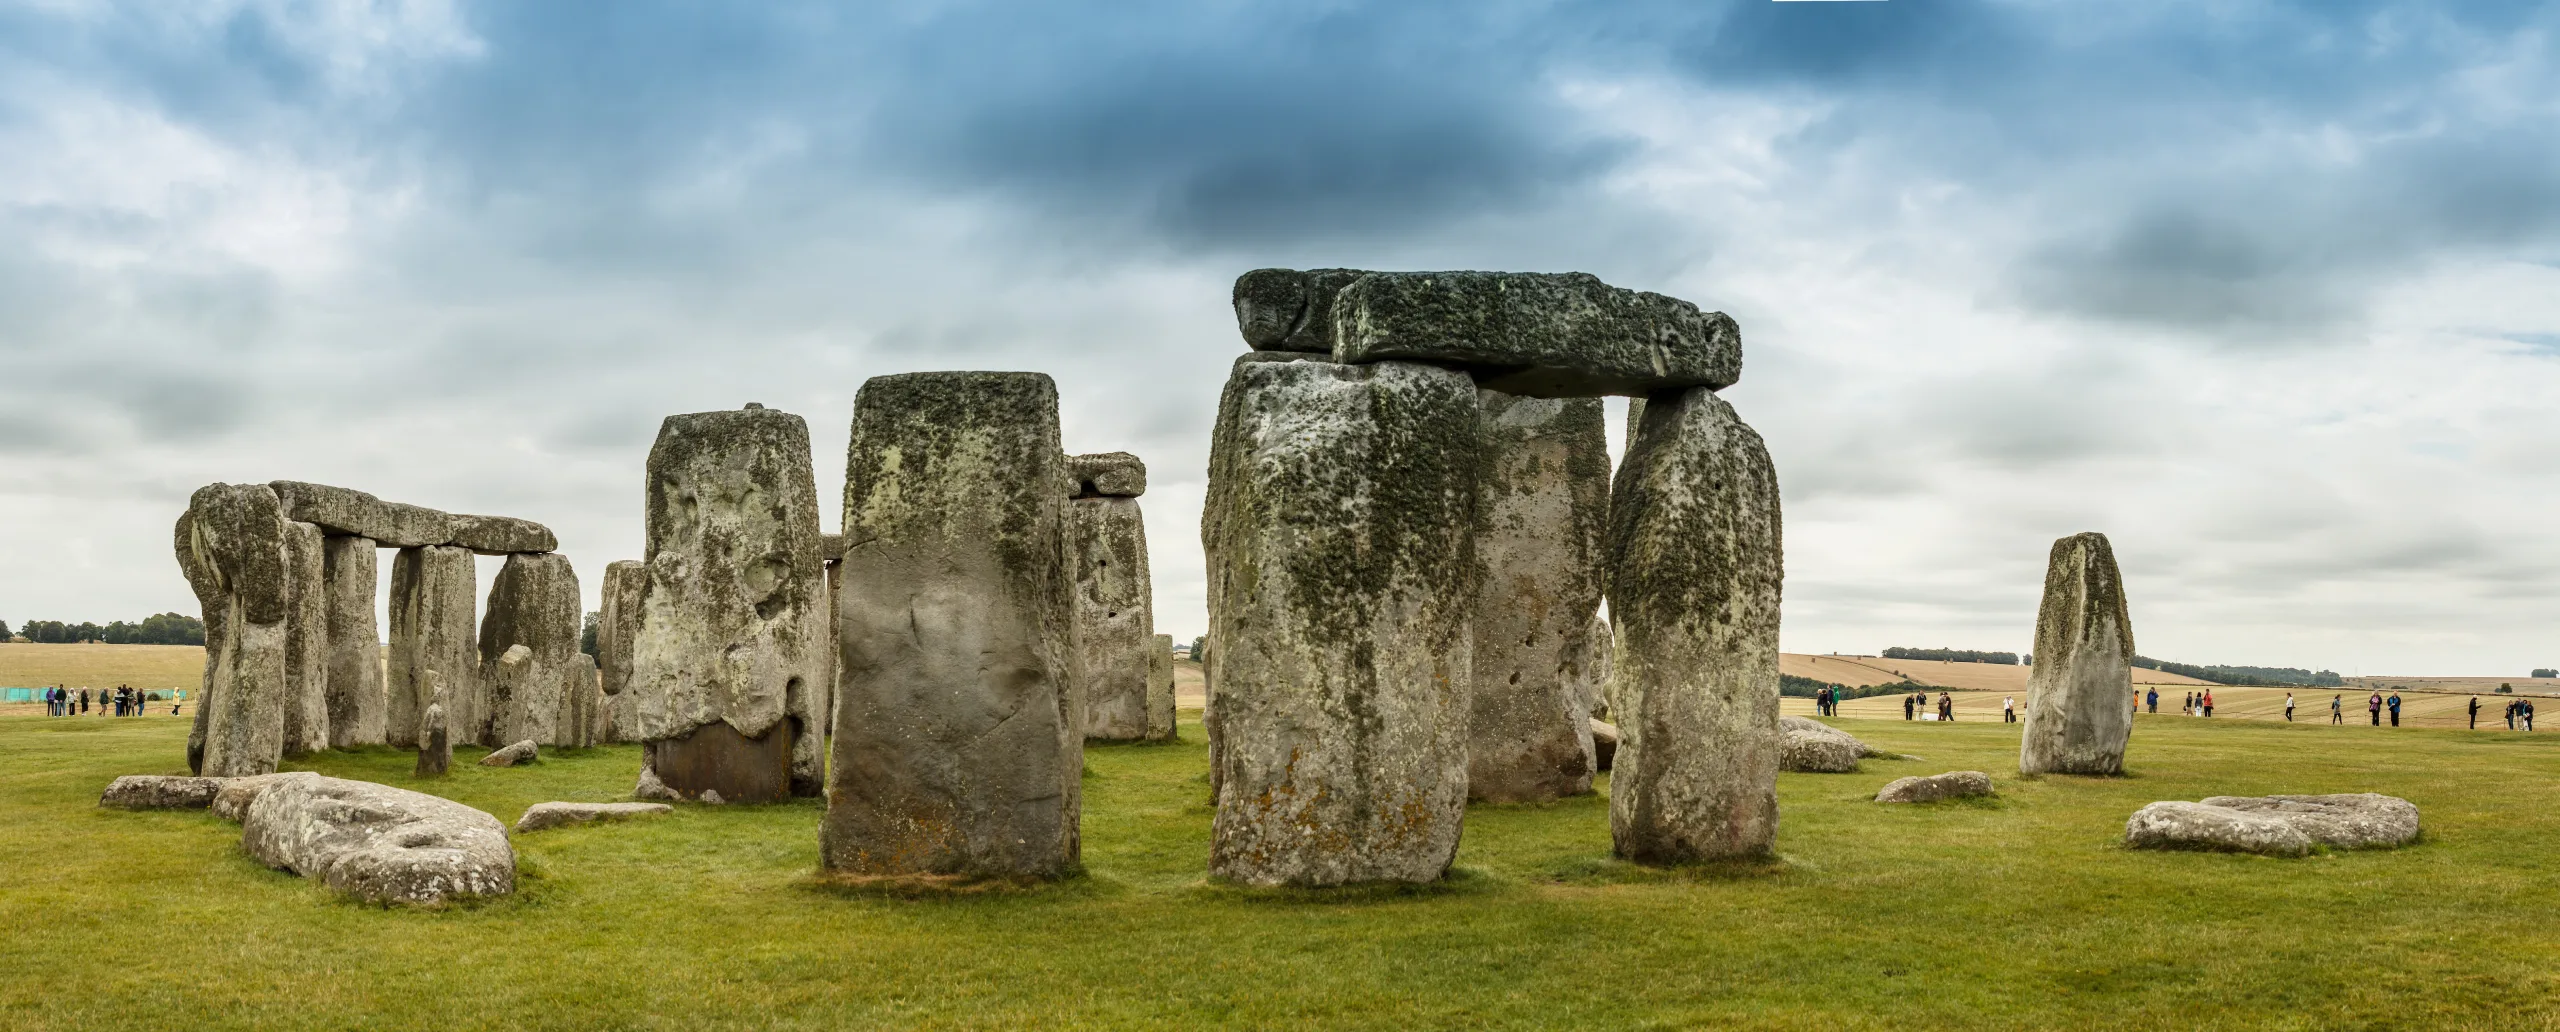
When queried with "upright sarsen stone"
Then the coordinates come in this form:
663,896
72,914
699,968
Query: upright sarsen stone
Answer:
232,547
533,603
959,736
1541,517
1339,528
1160,701
1114,600
2080,691
355,697
626,582
433,589
306,640
729,658
1695,576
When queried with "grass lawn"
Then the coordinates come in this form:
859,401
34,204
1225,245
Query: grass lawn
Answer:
2020,913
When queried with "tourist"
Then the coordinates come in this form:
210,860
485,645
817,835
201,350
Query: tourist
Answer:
84,702
1946,706
2475,713
2152,698
2288,707
2338,709
1906,708
2373,706
2511,714
2395,709
2525,708
2008,709
2208,702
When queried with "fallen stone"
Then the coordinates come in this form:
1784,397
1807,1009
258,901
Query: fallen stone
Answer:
1114,612
233,554
2180,825
1951,785
959,732
2358,820
231,802
649,787
355,694
1542,513
521,752
711,796
545,816
377,843
533,605
2079,711
501,535
1108,475
434,600
306,640
159,792
1604,745
1813,747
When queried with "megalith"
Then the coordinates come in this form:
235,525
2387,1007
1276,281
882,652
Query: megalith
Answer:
1541,517
2080,690
1339,537
433,597
435,737
959,734
729,659
1114,600
626,581
534,604
1160,699
231,546
306,640
355,697
1694,582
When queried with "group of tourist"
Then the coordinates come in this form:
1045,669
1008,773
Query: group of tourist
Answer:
1916,706
121,700
2517,710
1826,702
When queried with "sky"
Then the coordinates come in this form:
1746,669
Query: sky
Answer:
2269,292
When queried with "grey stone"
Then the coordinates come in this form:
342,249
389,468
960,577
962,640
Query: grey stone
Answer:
1107,475
959,735
1813,747
2180,825
584,721
435,743
433,601
1339,532
341,510
159,792
1599,654
649,787
1160,701
1697,567
546,816
534,605
1604,745
231,801
501,535
2079,710
379,844
306,640
1957,784
2357,820
1114,614
1289,310
355,696
831,547
521,752
732,626
1542,512
414,526
626,585
203,578
234,556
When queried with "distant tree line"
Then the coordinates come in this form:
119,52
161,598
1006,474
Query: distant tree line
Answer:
1953,655
1805,687
164,629
2545,672
2245,676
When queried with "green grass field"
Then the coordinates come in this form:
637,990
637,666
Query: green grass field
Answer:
2020,913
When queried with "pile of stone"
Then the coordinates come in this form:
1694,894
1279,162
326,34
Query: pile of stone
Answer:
285,573
2280,825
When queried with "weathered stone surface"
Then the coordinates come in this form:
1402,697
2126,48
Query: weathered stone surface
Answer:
501,535
1957,784
733,620
234,556
231,801
432,604
340,510
1604,745
1114,614
1542,510
355,696
959,745
2180,825
1160,701
1289,309
379,844
831,547
649,787
534,605
584,719
306,640
2357,820
626,583
1107,475
1599,653
205,579
521,752
435,741
1696,570
1813,747
546,816
1339,533
159,792
2079,711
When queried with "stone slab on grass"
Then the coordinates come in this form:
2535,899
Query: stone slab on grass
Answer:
544,816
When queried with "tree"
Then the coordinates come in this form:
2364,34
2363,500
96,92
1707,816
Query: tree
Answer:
2538,671
587,633
4,631
1200,648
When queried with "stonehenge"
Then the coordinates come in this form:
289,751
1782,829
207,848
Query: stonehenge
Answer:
377,843
433,595
546,816
231,546
617,624
729,658
306,640
355,695
959,731
2079,711
1115,627
1541,513
533,605
435,737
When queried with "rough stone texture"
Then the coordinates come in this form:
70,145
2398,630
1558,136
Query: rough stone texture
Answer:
1542,509
959,743
501,535
584,719
1696,570
533,605
379,844
1160,702
1289,310
1813,747
340,510
649,787
232,549
306,640
1599,654
1604,745
435,741
1107,475
2079,708
1957,784
159,792
2179,825
626,584
2358,820
831,547
521,752
432,604
355,696
546,816
732,625
231,801
1115,624
1339,533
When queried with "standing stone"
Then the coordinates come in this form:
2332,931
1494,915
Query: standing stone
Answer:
1696,569
729,660
583,720
1599,652
1114,600
533,604
2080,691
959,736
1160,726
355,697
1339,528
306,640
1542,514
435,738
233,551
433,589
626,582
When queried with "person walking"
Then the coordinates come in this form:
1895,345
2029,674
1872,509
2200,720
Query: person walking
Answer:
84,702
2373,706
2288,707
2152,698
1906,707
2527,704
2009,709
2338,709
2475,713
1946,707
2395,709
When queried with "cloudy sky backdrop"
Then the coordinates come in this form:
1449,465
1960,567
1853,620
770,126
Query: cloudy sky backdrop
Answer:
2268,291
